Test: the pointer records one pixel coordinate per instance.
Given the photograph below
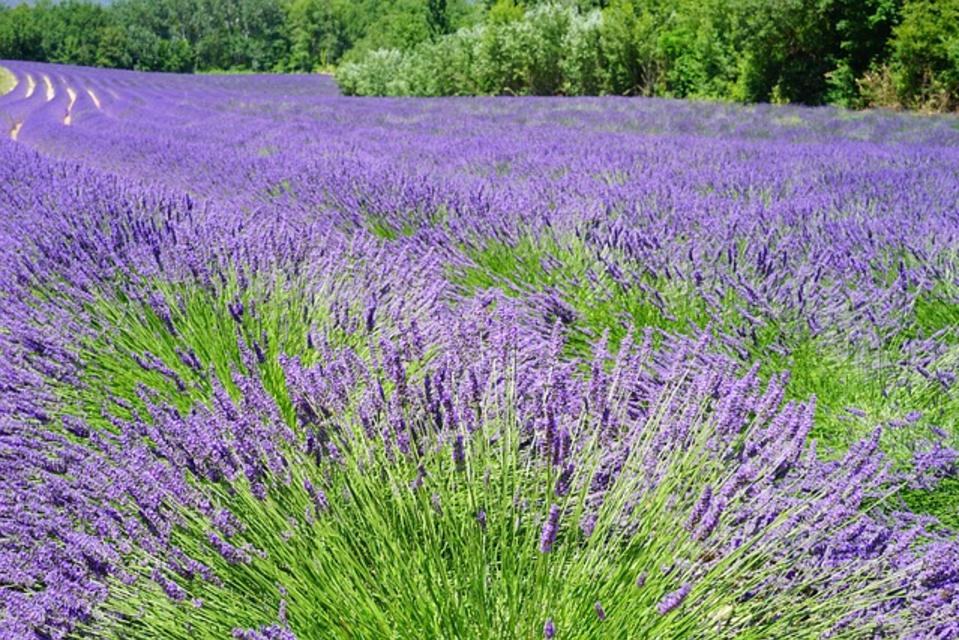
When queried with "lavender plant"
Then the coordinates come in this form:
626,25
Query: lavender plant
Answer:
496,487
281,364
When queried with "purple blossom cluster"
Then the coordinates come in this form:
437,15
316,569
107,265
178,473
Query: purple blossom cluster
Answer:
121,190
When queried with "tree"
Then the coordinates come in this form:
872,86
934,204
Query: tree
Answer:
113,49
438,17
926,54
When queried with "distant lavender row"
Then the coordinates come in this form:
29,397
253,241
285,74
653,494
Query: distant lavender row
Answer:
423,242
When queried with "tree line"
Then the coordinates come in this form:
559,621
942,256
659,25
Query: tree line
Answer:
222,35
855,53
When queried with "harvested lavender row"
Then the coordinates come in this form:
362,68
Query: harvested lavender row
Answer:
282,364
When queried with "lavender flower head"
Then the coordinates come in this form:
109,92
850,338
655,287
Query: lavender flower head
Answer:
549,629
550,528
673,599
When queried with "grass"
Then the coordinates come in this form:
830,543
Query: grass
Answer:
943,502
8,81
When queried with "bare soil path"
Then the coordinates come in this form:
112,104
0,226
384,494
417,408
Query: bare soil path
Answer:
93,96
68,119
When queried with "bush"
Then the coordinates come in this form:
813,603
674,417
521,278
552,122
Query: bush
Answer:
513,53
583,66
507,55
381,73
926,55
629,50
447,67
555,49
521,57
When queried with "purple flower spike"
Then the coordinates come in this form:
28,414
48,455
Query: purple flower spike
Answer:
588,524
550,527
701,507
674,599
459,455
600,612
549,629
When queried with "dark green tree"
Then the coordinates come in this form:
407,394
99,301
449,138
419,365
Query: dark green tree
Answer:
925,57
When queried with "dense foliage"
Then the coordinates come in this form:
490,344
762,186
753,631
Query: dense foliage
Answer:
847,52
205,35
853,53
280,364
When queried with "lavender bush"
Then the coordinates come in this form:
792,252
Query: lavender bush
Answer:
281,364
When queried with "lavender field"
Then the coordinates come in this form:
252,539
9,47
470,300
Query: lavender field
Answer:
281,364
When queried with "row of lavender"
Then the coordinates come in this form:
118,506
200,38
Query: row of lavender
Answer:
239,313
